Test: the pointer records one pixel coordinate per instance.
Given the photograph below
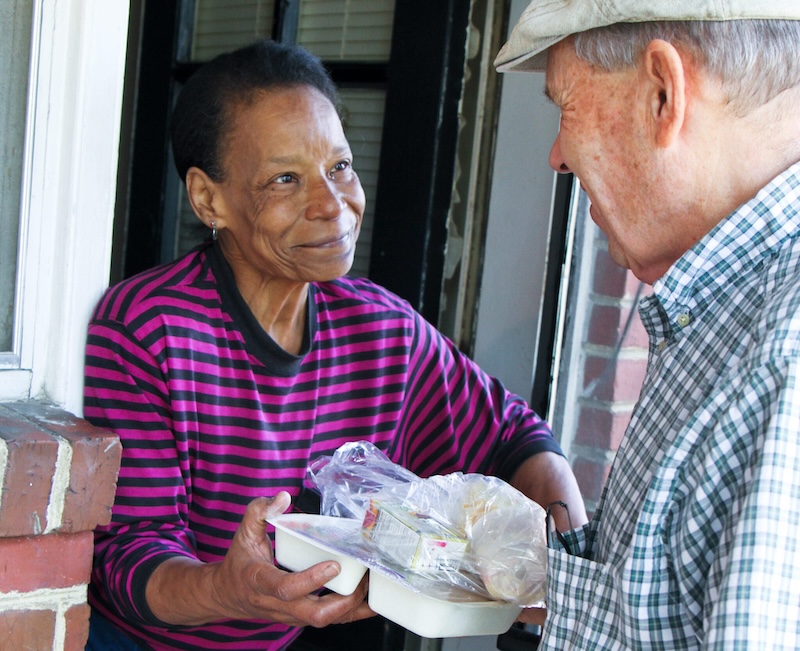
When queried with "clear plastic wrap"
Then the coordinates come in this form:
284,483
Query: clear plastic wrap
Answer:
468,531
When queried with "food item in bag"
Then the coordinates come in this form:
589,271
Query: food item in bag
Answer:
413,540
471,531
511,566
506,534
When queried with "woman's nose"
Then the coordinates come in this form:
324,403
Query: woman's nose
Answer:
556,159
325,201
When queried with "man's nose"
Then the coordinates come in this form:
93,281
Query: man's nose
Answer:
556,159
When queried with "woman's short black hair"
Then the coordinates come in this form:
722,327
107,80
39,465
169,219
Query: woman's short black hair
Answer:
200,117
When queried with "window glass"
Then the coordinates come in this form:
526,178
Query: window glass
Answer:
223,25
15,42
335,30
347,30
362,114
600,354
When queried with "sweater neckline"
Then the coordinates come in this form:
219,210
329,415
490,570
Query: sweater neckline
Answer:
257,341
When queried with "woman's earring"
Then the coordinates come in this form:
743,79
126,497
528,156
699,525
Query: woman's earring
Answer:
214,230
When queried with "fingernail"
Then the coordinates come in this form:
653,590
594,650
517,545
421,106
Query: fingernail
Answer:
331,571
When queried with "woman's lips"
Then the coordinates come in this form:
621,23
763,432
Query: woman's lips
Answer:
328,242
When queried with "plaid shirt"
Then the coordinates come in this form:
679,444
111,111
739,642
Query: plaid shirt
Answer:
695,542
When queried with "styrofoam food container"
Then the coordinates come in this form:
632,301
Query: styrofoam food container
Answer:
298,552
430,617
390,594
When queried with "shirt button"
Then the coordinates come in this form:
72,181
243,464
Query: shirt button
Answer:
684,320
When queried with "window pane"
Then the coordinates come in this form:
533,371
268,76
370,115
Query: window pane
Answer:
363,125
349,30
15,43
602,357
224,25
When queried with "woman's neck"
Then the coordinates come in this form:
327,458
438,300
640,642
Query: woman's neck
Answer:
278,304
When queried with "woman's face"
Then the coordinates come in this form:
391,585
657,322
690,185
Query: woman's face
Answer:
291,203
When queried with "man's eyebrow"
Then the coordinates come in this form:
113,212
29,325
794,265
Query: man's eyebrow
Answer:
548,95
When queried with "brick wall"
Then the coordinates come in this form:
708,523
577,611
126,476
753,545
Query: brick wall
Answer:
58,476
612,368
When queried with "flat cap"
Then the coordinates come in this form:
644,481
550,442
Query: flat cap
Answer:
546,22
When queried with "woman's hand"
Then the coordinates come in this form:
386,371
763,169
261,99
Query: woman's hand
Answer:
246,584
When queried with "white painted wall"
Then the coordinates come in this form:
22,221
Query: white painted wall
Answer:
69,186
519,221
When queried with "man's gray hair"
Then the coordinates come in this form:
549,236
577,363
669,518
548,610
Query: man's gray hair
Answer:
755,60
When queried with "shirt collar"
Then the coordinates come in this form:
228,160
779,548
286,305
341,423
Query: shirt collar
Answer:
753,233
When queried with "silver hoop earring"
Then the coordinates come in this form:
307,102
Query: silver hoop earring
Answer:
214,231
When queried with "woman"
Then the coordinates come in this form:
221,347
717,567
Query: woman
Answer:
225,372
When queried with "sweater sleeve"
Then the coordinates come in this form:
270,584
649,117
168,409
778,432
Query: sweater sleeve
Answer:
458,418
126,392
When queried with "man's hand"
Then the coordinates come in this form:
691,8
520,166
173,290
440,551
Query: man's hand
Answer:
533,616
246,584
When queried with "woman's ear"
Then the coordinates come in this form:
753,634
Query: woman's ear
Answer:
204,196
665,69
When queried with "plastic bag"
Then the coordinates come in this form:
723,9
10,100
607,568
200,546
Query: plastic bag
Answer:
471,531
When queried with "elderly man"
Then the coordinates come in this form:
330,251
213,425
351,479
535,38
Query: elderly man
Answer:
682,121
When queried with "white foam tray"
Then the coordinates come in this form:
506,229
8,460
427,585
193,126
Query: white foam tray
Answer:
430,617
298,547
296,551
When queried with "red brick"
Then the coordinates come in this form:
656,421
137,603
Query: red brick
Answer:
27,630
29,474
13,427
608,323
591,476
77,620
601,429
619,380
95,463
612,280
49,561
53,419
92,481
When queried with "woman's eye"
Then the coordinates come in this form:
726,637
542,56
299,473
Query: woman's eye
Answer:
341,166
284,178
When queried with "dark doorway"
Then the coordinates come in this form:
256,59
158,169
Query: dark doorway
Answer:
418,88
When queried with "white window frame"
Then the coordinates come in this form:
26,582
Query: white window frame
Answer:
69,185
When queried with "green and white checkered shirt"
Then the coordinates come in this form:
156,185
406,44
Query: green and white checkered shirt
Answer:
695,542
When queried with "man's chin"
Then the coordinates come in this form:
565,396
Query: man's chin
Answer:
616,254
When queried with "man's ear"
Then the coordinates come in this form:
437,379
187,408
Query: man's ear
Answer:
205,197
665,70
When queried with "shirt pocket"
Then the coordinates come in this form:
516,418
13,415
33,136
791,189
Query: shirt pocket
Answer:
582,601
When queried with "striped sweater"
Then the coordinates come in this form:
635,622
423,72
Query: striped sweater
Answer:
212,413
